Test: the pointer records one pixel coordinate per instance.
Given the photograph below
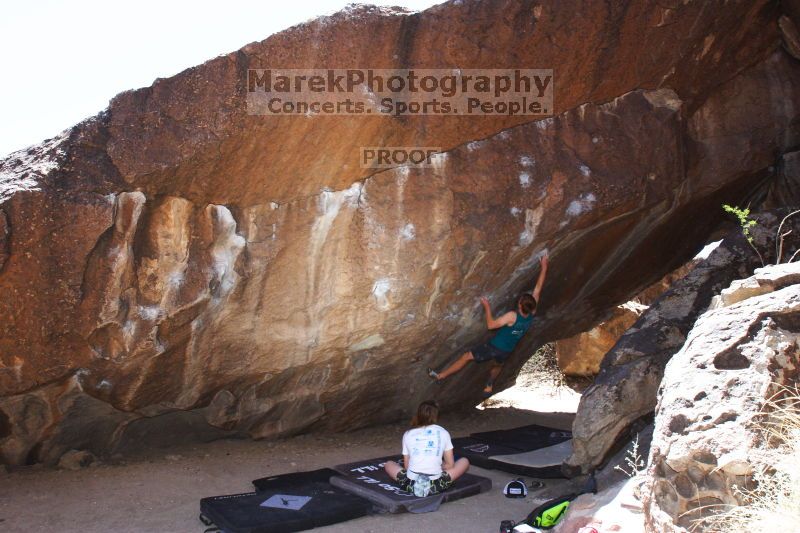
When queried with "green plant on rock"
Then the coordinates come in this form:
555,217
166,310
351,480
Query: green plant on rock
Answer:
744,219
745,222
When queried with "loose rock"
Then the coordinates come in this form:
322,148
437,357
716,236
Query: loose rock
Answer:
76,460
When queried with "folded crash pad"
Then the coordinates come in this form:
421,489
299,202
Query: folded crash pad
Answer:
369,480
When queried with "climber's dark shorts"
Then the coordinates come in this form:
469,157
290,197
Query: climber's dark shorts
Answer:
486,352
440,484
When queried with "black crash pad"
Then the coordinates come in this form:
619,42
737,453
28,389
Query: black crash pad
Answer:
489,449
294,479
525,438
369,480
320,504
480,452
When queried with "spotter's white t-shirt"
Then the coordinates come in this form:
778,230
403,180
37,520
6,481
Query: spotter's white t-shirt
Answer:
425,447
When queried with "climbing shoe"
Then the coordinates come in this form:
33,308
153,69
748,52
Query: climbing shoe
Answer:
488,393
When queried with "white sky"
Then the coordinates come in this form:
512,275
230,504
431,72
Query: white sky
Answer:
62,60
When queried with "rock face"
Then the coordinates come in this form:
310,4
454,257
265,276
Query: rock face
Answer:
785,189
581,355
713,395
75,460
789,24
4,244
764,280
631,372
175,259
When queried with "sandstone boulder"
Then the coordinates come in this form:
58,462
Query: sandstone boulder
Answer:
176,259
630,374
654,291
76,459
789,24
581,355
4,240
713,396
763,281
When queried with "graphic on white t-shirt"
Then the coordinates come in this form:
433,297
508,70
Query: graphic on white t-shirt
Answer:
425,447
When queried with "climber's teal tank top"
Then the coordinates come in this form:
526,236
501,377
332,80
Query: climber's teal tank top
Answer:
508,336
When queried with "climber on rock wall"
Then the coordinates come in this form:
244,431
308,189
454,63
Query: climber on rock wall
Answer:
511,327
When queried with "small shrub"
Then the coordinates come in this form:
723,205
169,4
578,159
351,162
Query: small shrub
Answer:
745,222
543,368
743,215
634,463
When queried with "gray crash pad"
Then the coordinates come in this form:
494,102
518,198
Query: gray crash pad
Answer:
543,458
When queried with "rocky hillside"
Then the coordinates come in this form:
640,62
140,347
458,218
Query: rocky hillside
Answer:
712,419
175,263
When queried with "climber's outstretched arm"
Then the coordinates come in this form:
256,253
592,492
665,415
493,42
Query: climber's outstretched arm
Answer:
543,262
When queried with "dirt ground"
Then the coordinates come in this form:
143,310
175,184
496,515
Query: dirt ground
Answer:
160,489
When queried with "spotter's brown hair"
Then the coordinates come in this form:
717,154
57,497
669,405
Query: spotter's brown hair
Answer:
427,414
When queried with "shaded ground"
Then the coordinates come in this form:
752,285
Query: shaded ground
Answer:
160,489
541,387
